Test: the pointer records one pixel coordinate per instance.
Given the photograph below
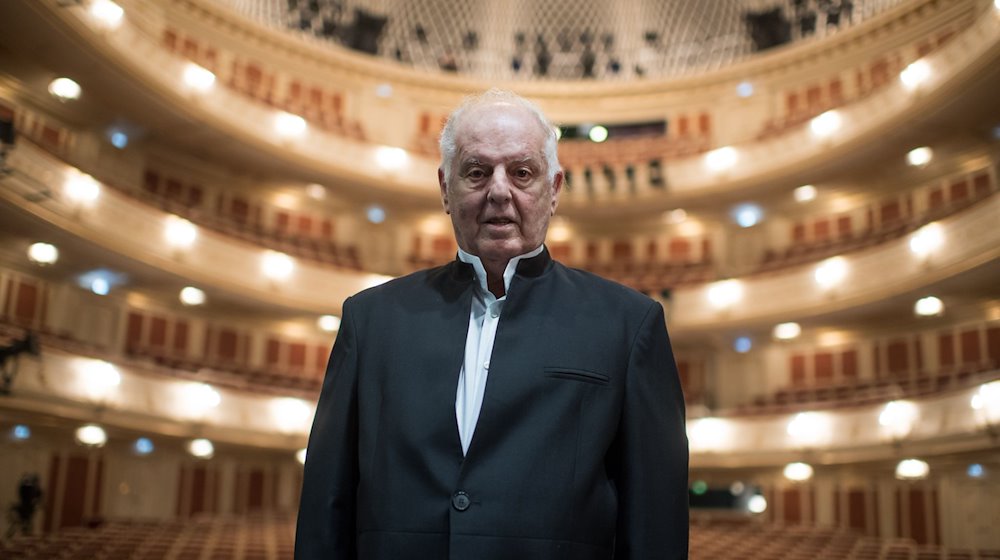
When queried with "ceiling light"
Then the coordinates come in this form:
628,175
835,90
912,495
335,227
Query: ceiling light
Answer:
747,215
928,307
976,470
919,157
391,158
201,448
43,253
724,293
64,89
831,272
316,191
107,13
91,435
100,378
192,296
757,504
329,323
912,469
915,74
21,432
721,159
927,239
987,401
597,134
383,91
897,418
708,434
291,415
300,456
118,139
143,446
744,89
100,286
82,188
798,472
289,126
808,428
742,344
180,233
375,214
198,78
675,216
277,266
825,124
787,331
202,396
805,193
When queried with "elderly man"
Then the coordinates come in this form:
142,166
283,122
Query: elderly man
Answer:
502,406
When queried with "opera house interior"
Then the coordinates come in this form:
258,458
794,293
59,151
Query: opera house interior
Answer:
190,189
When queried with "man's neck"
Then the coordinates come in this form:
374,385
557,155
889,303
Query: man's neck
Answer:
494,277
494,273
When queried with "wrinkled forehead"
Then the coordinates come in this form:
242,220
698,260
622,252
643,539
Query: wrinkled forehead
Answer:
500,127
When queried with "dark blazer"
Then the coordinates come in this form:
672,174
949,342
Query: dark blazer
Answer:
579,453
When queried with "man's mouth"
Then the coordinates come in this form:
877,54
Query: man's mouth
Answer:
499,221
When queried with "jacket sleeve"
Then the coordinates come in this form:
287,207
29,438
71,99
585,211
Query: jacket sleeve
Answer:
649,460
327,524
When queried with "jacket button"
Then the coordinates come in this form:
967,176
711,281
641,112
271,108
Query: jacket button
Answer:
461,501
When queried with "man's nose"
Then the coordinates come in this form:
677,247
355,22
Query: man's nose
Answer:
499,187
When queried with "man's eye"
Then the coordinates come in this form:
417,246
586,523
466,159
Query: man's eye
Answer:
522,173
475,174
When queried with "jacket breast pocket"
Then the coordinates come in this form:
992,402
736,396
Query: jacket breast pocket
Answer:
576,374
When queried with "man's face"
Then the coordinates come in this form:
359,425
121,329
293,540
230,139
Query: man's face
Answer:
499,195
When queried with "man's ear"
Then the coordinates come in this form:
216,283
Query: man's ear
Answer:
444,191
556,189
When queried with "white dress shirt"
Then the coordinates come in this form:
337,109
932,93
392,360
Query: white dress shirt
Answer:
483,320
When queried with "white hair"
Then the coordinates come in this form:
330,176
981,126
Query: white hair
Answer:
496,95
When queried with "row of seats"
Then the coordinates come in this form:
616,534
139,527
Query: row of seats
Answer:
271,537
254,537
314,102
301,233
883,220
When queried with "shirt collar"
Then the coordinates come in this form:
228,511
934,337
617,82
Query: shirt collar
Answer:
508,273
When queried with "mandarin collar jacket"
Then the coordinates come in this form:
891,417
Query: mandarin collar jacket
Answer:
579,452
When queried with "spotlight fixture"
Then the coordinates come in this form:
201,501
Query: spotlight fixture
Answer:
927,239
915,74
288,125
724,293
742,344
805,193
912,469
375,214
21,432
787,331
64,89
91,435
798,472
825,124
928,307
721,159
180,233
329,323
831,272
43,254
597,134
747,215
192,296
744,89
201,448
391,158
757,504
143,446
277,266
919,157
107,13
198,78
82,188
